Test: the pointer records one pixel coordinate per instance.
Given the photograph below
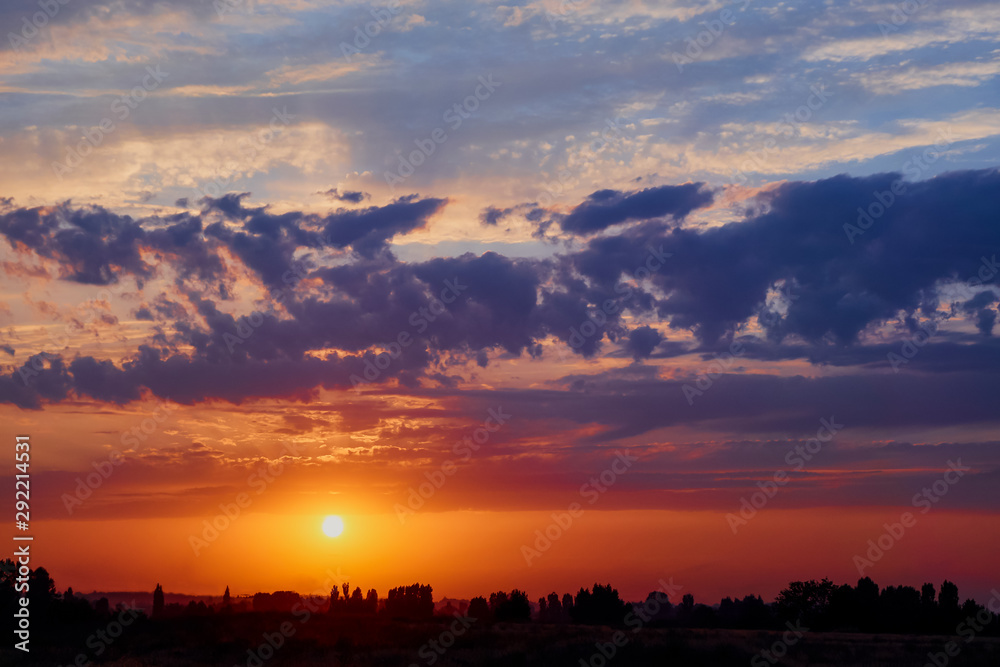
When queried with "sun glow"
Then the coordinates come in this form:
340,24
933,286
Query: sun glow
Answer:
333,526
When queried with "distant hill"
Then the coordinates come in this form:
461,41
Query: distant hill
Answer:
143,600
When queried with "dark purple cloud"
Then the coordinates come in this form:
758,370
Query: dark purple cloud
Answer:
369,230
350,196
605,208
710,281
642,341
92,244
942,229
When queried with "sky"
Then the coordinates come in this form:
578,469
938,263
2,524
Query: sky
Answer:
532,295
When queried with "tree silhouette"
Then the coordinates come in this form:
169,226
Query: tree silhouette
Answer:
928,608
555,608
808,601
927,594
74,609
820,605
415,601
226,607
602,607
158,602
948,611
276,601
970,608
479,609
513,608
866,598
567,607
899,608
497,600
103,608
42,590
750,612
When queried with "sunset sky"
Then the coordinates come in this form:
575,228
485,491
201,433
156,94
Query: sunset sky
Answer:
445,269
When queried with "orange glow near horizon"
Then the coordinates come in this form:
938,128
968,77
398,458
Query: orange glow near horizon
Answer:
463,554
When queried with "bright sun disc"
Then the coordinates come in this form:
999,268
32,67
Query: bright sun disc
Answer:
333,526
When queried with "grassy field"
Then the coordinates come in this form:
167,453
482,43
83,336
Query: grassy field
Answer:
247,640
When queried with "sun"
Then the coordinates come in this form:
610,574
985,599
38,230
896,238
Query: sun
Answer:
333,526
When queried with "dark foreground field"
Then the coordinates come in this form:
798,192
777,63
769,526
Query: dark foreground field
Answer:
321,640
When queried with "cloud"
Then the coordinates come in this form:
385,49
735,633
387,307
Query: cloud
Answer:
966,74
642,341
351,196
92,244
491,216
791,270
368,230
605,208
718,278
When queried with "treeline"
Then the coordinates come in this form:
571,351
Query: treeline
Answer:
602,606
414,601
816,605
823,605
47,608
